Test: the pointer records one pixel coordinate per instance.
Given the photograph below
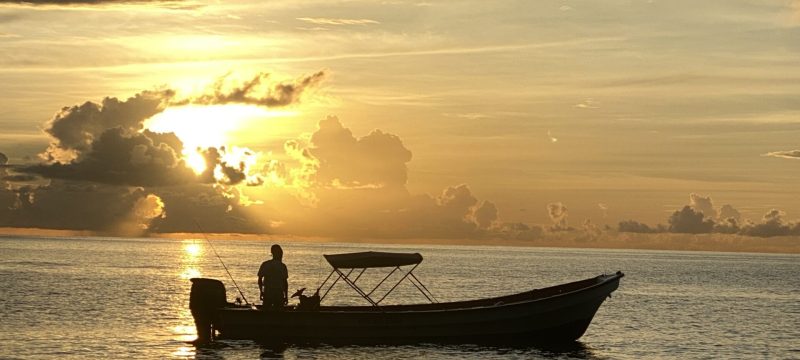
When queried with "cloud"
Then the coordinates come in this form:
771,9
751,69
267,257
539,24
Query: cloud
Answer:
257,91
634,226
226,172
74,129
73,205
377,159
3,159
690,221
485,215
604,208
356,186
173,4
143,212
520,231
334,21
588,104
728,212
121,157
106,142
558,214
218,209
703,205
550,136
772,224
788,154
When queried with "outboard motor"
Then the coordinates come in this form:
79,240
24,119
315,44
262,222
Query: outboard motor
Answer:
206,297
307,302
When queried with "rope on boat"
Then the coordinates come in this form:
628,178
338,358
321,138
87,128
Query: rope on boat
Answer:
220,261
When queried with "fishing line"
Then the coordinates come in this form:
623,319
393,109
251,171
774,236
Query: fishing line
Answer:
220,261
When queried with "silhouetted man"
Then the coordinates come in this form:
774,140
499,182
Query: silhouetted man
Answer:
272,280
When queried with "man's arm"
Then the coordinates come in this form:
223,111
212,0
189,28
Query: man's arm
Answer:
261,286
285,291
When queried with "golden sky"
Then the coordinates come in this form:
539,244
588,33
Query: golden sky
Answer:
428,119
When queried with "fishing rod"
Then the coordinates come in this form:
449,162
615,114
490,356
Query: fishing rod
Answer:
220,261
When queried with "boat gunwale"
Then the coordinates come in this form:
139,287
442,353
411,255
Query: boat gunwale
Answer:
493,302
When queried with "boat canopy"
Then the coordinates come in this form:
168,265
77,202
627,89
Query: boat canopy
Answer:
372,259
355,264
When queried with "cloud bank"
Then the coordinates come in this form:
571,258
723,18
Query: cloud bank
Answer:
701,217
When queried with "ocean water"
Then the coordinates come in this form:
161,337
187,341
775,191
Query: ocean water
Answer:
90,298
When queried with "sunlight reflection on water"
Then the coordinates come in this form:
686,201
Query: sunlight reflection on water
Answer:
128,298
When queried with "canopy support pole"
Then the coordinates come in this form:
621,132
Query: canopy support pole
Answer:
431,298
398,283
355,287
384,279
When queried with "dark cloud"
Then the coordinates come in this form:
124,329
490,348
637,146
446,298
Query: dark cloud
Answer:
772,224
257,91
75,128
232,173
72,205
788,154
218,209
377,159
634,226
119,156
728,225
690,221
88,2
3,159
19,178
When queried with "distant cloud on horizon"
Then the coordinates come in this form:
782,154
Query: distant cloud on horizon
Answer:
787,154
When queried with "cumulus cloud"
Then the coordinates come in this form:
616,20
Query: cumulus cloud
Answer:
355,186
121,157
74,129
558,214
788,154
772,224
377,159
143,212
703,204
729,212
258,91
106,142
691,219
485,215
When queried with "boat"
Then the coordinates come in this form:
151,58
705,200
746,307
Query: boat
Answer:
556,314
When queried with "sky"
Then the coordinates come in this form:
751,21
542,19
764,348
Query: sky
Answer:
401,119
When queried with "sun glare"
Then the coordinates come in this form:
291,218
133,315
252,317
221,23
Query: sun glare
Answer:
208,125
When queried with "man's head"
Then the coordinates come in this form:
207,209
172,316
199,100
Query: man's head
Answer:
277,252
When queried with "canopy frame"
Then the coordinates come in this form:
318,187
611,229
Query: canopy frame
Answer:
368,260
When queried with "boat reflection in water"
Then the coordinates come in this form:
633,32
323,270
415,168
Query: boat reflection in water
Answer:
552,315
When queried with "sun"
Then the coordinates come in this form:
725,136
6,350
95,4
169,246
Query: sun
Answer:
204,126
